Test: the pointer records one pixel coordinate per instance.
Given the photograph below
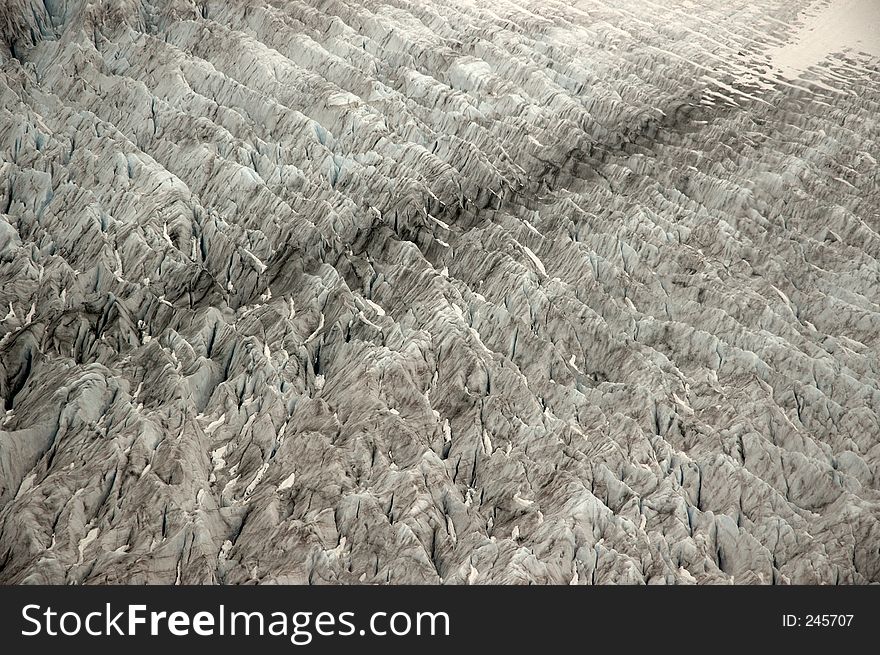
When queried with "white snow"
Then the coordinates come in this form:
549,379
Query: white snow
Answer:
213,425
223,555
687,575
218,455
683,404
532,228
260,265
447,431
442,224
342,99
118,270
287,482
364,318
450,528
85,541
259,476
317,329
523,501
376,308
537,262
829,28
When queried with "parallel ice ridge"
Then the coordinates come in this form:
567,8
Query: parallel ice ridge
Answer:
413,291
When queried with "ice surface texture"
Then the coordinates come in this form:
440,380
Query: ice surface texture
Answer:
319,291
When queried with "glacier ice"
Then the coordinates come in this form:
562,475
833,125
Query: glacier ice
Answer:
411,291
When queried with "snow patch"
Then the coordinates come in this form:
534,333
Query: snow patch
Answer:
287,483
841,26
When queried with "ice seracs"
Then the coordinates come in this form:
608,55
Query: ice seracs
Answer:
492,281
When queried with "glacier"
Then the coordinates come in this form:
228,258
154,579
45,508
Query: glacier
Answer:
411,291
